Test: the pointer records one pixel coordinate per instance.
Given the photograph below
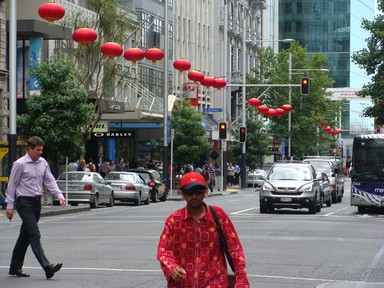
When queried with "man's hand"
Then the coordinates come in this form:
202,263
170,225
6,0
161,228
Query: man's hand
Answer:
178,274
62,202
10,214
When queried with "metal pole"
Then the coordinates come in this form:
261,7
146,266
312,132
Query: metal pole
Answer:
289,101
165,148
243,170
225,92
12,136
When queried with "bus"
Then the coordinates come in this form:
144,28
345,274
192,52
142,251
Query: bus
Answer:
21,148
367,173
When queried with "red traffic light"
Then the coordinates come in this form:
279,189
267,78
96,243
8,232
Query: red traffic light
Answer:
243,134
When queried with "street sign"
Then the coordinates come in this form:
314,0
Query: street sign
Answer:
210,110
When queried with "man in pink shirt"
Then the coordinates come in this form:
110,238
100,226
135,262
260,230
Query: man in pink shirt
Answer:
29,175
189,250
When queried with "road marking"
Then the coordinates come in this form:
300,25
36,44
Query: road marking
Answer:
373,264
338,210
245,210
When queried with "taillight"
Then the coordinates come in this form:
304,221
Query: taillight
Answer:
130,187
88,187
152,183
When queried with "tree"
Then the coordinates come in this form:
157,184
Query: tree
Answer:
98,75
256,144
190,141
371,59
308,111
59,113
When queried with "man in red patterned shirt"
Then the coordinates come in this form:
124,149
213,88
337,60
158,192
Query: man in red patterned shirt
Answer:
189,249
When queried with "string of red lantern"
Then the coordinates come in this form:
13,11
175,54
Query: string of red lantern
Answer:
51,12
195,76
134,54
111,49
84,36
154,54
208,81
220,83
254,102
181,65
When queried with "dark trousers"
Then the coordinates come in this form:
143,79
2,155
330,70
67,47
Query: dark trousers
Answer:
29,209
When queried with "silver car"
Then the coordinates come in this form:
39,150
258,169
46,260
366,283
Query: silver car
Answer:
291,185
255,178
128,186
86,187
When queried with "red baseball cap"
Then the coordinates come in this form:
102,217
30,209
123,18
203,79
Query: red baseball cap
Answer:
192,179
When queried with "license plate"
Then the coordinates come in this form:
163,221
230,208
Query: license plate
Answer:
286,199
117,187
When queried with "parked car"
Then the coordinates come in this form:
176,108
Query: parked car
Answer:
86,187
255,178
128,186
291,185
157,188
334,171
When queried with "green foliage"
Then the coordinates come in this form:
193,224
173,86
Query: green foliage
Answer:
190,136
308,111
371,59
256,144
98,75
59,113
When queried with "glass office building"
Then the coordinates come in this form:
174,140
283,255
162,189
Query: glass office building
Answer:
332,27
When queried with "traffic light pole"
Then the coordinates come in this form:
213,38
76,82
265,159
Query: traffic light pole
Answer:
243,169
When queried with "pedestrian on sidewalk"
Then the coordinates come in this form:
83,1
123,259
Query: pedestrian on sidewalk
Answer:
191,231
29,175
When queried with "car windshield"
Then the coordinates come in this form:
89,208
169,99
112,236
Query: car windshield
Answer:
290,172
120,177
85,177
322,167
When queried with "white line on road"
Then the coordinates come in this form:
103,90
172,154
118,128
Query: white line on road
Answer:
245,210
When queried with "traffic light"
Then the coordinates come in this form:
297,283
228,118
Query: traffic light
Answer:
223,130
304,88
243,134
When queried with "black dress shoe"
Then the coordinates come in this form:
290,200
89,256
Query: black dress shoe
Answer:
18,273
52,269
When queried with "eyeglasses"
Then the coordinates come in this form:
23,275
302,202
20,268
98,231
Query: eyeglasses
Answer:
197,191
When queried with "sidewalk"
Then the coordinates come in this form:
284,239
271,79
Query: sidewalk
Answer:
49,210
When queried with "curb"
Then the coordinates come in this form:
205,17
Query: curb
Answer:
45,211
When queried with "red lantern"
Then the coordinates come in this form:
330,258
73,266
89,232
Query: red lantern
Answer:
181,65
220,83
134,54
339,131
254,102
279,112
263,109
327,129
84,36
323,124
287,107
154,54
271,113
111,49
208,81
51,12
195,76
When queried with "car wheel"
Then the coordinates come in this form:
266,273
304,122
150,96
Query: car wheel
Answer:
312,207
154,195
361,209
164,197
263,208
95,202
321,200
318,207
340,196
329,202
334,198
74,204
111,200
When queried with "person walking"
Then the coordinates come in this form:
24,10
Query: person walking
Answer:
189,249
29,175
212,177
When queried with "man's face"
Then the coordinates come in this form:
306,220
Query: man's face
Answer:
36,152
195,196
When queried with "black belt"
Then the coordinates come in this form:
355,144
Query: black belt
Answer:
30,197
